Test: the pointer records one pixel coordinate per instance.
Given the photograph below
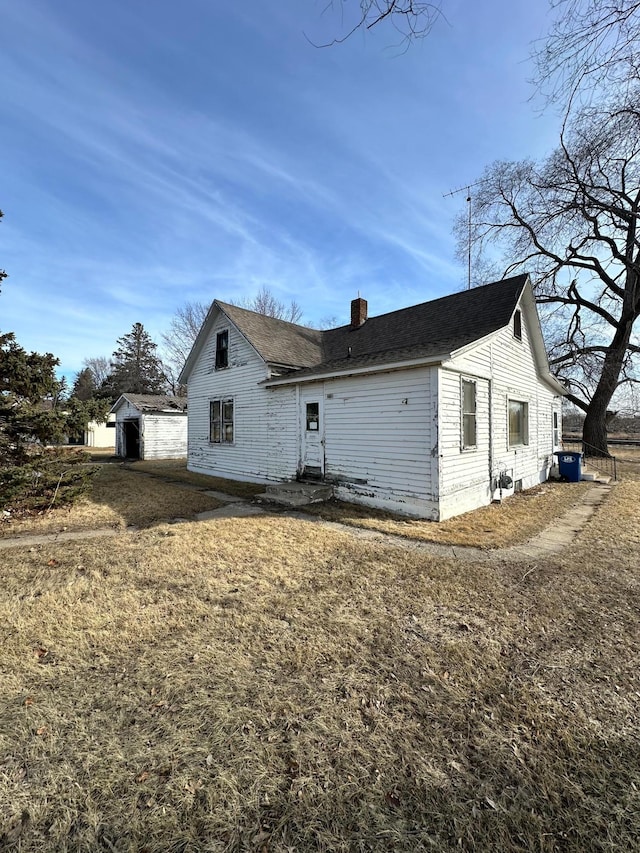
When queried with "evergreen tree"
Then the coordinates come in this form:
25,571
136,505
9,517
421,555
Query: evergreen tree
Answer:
84,386
29,394
135,367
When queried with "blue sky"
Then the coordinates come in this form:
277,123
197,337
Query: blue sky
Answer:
157,153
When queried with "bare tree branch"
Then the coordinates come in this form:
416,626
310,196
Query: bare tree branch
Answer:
592,46
571,220
411,19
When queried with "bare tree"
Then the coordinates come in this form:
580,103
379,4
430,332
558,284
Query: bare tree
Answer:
264,302
412,19
100,367
572,221
181,336
592,46
188,319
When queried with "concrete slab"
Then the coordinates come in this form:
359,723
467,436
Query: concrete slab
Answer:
224,497
232,510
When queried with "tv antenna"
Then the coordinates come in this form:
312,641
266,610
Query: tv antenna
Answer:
468,188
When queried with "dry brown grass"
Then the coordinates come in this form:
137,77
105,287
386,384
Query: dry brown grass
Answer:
176,469
514,521
118,498
267,684
628,462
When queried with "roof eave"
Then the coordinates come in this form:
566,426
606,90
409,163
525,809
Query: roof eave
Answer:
117,404
383,367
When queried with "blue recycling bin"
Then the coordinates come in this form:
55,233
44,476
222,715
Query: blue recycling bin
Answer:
570,465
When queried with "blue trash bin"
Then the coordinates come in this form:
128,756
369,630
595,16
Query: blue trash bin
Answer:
570,465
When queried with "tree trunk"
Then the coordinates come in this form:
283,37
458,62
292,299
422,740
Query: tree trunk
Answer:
594,431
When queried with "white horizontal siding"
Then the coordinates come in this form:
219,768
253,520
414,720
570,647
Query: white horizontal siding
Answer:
126,411
462,468
265,420
163,435
378,439
510,366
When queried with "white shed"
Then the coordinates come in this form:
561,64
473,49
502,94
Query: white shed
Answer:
150,426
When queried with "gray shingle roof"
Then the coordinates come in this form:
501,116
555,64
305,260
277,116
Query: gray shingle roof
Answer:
277,341
440,326
155,402
430,329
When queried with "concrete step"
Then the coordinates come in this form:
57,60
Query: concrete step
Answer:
591,475
295,493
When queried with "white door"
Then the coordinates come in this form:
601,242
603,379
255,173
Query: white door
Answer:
312,432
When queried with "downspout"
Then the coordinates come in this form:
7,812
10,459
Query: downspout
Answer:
299,432
490,394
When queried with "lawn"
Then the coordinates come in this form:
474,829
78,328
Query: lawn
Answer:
117,498
269,684
512,522
176,471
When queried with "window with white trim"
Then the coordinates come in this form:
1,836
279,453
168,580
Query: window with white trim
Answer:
221,421
469,425
556,429
518,423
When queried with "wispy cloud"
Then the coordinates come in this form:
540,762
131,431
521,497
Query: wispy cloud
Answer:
150,159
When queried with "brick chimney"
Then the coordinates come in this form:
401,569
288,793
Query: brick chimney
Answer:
358,312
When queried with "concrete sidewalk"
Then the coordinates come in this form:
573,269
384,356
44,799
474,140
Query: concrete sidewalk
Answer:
551,541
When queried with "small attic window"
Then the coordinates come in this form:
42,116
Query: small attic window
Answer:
222,349
517,325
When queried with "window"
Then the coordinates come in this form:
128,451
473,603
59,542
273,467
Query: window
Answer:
517,325
518,423
222,349
221,421
556,430
313,416
468,414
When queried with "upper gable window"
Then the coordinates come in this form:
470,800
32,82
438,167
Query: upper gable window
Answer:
517,325
222,349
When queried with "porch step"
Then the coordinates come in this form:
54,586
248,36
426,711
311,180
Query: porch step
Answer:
294,493
591,476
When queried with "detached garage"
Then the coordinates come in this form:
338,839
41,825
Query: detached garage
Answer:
150,426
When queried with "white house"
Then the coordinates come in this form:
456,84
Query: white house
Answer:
150,426
430,411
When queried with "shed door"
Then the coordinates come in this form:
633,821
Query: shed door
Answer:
131,438
312,432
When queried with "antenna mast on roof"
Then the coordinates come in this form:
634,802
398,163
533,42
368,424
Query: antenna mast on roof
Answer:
455,192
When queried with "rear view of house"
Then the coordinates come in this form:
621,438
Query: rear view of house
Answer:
430,411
